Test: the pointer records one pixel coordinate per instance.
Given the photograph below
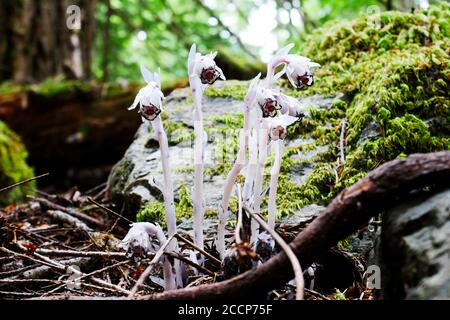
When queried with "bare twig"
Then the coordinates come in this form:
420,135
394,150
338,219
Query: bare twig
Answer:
341,142
191,263
73,253
206,254
109,210
299,280
23,182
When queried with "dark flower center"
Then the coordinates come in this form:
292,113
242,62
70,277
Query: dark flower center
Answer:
270,105
150,111
209,75
303,80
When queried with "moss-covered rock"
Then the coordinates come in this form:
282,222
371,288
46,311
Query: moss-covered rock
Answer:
388,75
394,71
13,166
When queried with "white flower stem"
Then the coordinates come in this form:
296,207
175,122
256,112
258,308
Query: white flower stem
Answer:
262,137
169,205
277,149
253,159
199,150
231,180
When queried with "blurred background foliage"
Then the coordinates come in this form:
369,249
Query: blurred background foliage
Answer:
117,35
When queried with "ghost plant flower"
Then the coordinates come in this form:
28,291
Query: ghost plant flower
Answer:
300,71
202,71
277,129
237,167
139,242
267,102
149,100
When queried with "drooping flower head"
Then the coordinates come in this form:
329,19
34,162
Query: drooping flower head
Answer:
150,97
278,126
300,71
138,241
204,67
291,106
267,102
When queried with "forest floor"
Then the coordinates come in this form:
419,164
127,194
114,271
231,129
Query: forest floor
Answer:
55,246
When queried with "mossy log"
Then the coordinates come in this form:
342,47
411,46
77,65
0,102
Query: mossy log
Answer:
70,124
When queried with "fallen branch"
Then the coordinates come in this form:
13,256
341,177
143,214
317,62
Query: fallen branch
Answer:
73,212
73,253
379,190
68,219
109,210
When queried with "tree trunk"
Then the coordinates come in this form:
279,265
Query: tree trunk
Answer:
35,42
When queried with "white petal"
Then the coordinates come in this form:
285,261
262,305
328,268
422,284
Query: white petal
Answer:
285,50
279,74
191,58
157,78
146,74
213,55
287,120
251,92
221,75
135,103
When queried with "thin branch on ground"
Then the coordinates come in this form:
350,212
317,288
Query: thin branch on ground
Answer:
23,182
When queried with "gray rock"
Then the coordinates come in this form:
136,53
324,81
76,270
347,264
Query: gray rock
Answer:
415,249
322,102
304,215
135,180
371,131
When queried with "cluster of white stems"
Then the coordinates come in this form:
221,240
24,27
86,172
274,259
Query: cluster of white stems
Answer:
267,114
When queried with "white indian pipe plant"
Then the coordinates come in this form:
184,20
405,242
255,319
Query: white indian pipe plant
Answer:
267,125
139,243
202,71
237,167
149,99
267,114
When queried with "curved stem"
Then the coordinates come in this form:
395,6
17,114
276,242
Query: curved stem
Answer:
231,180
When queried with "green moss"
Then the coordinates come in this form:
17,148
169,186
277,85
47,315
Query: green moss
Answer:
13,166
154,212
396,76
230,89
